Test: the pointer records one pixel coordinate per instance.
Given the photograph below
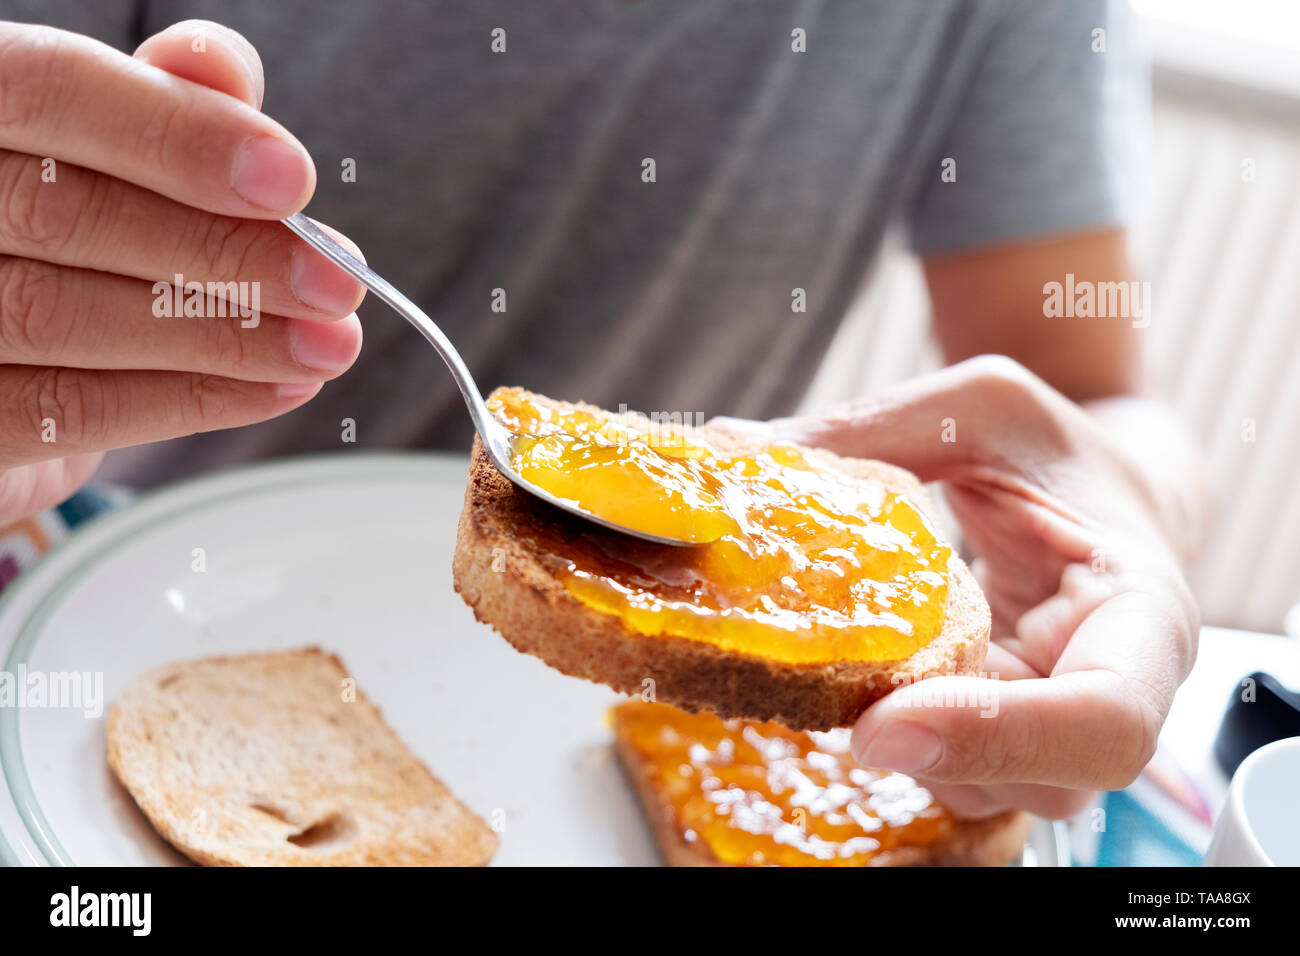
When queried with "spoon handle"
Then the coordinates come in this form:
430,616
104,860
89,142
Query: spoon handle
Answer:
320,240
495,437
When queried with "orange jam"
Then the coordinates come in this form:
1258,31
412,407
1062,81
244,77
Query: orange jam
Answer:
757,794
800,561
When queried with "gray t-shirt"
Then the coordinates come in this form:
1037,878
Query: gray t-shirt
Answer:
775,170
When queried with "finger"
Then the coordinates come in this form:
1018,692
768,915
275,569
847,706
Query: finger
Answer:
1046,629
1002,663
1147,632
93,221
1014,648
1084,730
1094,616
53,412
209,54
984,411
77,318
976,802
970,801
997,523
29,489
1005,607
77,101
744,427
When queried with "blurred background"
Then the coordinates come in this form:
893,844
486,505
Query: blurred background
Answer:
1219,240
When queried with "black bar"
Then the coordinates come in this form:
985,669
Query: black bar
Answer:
653,907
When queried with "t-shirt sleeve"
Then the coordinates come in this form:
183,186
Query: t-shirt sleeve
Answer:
1044,140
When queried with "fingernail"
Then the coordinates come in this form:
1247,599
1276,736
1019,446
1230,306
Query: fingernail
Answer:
298,389
320,284
322,346
270,173
902,746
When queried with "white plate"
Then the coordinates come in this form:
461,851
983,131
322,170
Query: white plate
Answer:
349,552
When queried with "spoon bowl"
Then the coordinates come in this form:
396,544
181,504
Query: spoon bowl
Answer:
496,438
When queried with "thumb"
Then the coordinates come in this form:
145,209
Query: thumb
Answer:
209,54
1084,730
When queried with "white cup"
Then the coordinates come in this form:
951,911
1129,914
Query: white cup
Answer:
1257,826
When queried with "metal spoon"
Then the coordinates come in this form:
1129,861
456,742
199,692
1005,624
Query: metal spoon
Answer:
496,437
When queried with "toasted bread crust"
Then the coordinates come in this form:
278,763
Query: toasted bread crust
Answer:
533,610
994,841
235,759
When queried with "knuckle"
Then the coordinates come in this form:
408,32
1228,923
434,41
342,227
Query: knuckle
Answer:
1003,755
1011,753
1007,393
77,402
39,217
28,74
1002,375
29,310
226,344
225,247
159,143
204,402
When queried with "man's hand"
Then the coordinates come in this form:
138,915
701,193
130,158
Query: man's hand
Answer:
1093,625
119,172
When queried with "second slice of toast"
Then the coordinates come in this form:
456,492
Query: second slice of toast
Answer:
277,759
739,793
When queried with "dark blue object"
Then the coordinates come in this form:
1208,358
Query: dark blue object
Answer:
83,505
1272,714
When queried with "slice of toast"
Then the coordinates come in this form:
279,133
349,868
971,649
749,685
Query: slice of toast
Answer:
501,570
278,759
724,824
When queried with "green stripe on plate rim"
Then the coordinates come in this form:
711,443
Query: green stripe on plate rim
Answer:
277,475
